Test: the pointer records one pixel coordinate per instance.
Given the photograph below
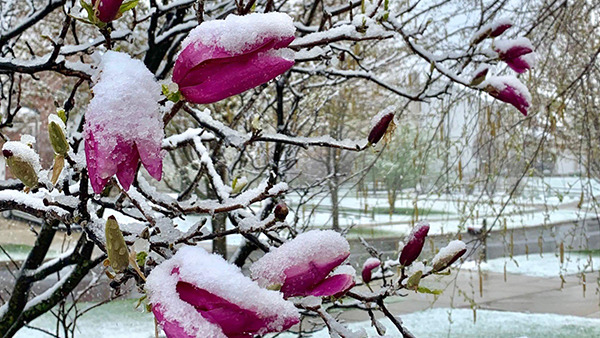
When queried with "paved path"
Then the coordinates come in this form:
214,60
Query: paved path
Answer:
519,293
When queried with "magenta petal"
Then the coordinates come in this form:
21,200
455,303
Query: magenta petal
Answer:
150,154
233,320
129,157
232,76
515,52
336,285
300,280
510,95
519,65
108,9
500,29
172,329
92,159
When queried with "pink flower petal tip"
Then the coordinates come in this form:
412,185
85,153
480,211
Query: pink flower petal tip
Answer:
197,294
222,58
302,266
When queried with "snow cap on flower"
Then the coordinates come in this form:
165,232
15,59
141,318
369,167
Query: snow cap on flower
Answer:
516,53
123,122
222,58
414,243
197,294
106,10
380,124
23,162
491,30
510,90
302,266
448,255
370,264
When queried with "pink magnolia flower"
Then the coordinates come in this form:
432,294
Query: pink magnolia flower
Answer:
380,125
197,294
222,58
123,126
302,266
414,244
515,53
107,9
369,265
510,90
500,28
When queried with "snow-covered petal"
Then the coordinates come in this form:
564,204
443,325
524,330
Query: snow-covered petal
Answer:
122,124
221,58
301,264
197,294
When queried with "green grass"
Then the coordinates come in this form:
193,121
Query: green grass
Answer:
370,232
16,251
383,211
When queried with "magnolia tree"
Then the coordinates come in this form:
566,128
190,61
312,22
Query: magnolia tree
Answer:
148,84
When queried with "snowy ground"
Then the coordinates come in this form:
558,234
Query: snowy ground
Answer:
120,319
543,201
548,265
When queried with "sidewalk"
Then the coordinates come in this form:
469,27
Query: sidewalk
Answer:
520,293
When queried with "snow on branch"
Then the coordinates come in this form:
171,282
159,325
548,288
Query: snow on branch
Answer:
238,140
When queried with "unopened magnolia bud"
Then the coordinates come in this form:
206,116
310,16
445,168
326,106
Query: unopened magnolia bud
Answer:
23,162
281,211
448,255
238,184
413,281
57,136
380,128
368,267
479,76
117,251
414,244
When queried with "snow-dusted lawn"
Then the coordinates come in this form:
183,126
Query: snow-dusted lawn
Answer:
547,265
459,323
120,319
448,213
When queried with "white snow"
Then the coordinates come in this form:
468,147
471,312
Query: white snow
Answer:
25,153
448,251
545,265
235,33
214,275
54,118
311,246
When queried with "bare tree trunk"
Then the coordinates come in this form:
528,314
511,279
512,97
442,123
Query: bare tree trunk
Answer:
219,221
334,184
